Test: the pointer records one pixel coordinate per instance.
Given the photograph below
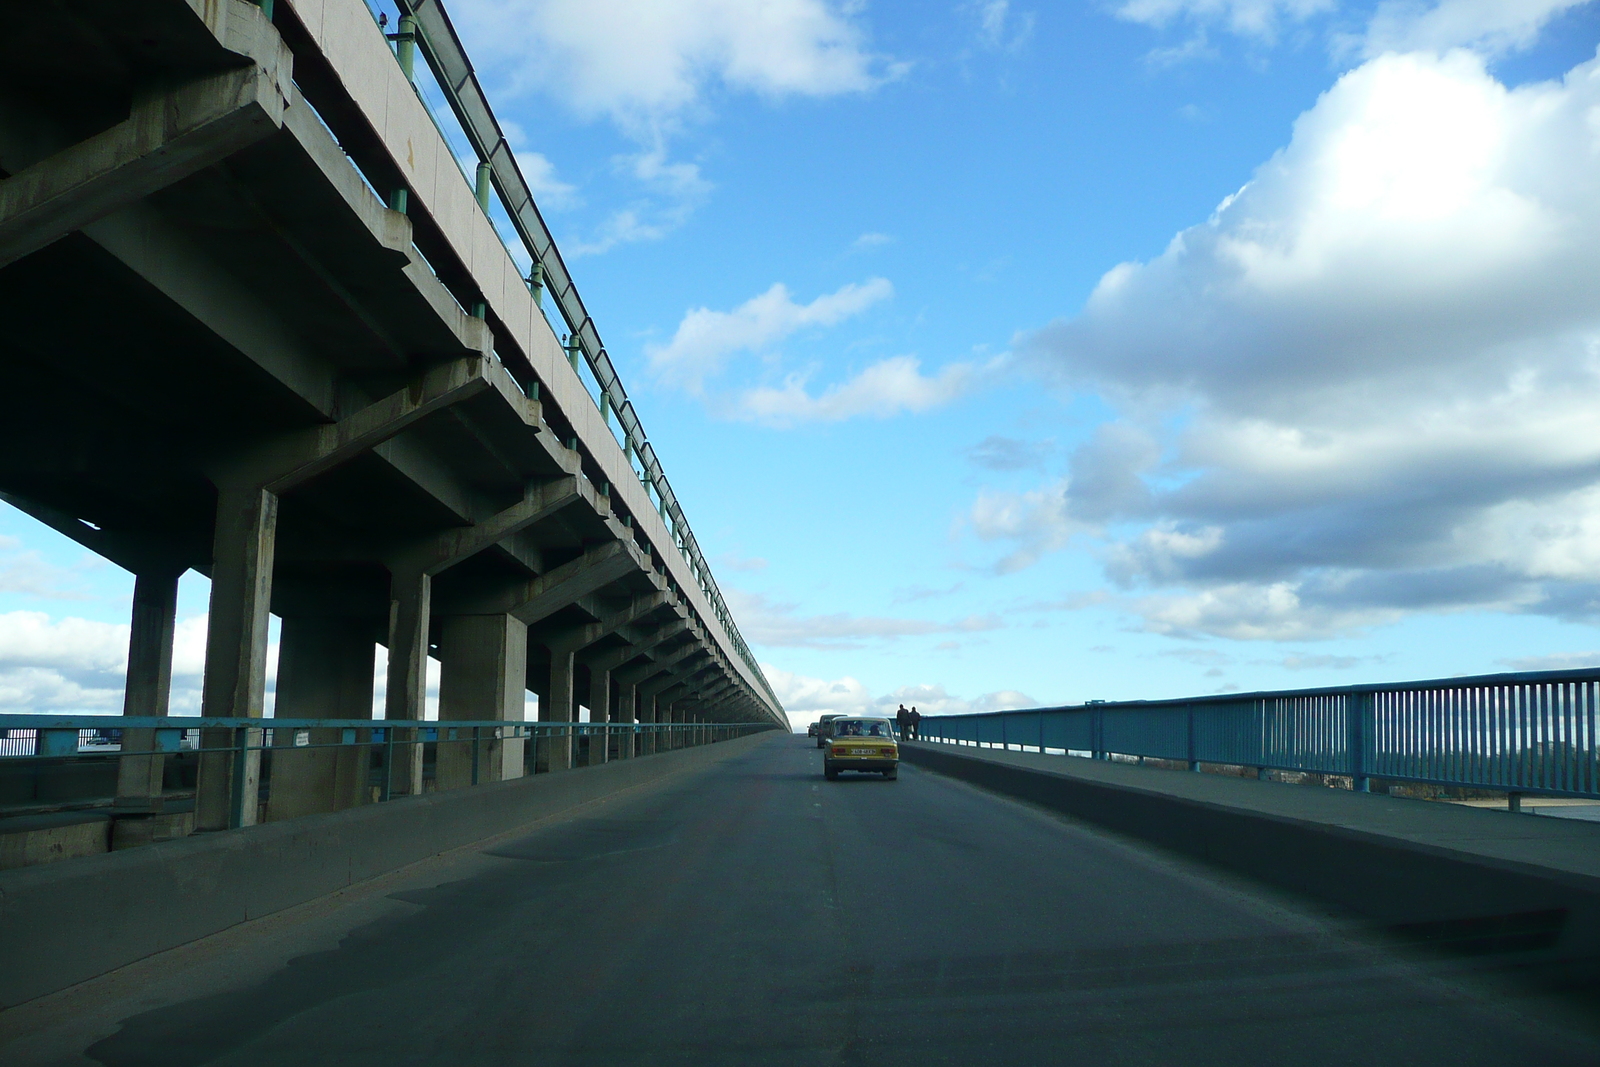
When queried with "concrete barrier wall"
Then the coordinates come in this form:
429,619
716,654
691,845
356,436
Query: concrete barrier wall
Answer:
1450,897
67,922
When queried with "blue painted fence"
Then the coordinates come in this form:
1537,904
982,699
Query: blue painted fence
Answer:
1531,733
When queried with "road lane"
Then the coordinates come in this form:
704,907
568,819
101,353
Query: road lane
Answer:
757,914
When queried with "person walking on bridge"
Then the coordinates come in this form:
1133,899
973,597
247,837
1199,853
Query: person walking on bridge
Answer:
914,717
902,719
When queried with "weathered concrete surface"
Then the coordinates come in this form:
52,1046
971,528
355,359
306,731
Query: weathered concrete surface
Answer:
67,922
754,914
30,840
1481,880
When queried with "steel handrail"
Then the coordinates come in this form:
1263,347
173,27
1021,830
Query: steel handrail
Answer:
447,58
1535,732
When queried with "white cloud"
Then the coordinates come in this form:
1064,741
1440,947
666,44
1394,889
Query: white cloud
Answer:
38,691
1000,453
870,240
1365,387
68,665
806,699
999,28
1487,26
650,65
1036,520
670,193
33,639
29,573
73,665
1247,18
549,192
1560,661
882,390
645,62
705,339
767,622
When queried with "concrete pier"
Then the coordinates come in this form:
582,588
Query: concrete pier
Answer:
325,669
483,675
149,688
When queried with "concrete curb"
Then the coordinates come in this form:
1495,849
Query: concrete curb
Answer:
66,922
1448,898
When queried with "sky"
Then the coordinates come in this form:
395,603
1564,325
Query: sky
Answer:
1006,354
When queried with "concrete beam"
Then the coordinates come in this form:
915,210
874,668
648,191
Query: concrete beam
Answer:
167,138
594,570
288,461
539,502
661,670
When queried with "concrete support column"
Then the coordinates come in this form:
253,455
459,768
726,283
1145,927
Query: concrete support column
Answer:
661,692
236,654
405,696
674,720
626,712
645,703
555,749
324,672
155,614
483,675
599,713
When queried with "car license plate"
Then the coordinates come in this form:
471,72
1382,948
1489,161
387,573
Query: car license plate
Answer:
864,751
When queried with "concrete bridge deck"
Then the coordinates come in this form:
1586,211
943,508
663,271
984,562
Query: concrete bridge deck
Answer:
258,324
751,913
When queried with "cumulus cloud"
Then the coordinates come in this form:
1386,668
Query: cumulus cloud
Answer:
706,339
650,65
642,63
73,665
882,390
805,699
1365,386
774,623
1036,520
34,639
870,240
1486,26
549,192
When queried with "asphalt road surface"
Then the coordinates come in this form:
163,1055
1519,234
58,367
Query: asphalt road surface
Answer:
757,914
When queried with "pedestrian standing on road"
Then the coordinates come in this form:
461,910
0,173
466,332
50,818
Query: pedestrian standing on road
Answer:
915,717
902,719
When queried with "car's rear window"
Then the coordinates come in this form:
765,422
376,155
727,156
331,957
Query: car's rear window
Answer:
861,728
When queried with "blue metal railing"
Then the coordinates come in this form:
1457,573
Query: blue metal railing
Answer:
1532,732
52,739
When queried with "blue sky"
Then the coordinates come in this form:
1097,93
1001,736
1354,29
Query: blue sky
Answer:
1006,353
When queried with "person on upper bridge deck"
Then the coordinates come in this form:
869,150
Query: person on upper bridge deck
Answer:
902,719
914,717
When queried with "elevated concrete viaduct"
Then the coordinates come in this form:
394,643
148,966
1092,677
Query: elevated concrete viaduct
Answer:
258,324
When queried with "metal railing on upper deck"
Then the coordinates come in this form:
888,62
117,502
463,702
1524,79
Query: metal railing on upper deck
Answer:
433,34
1532,732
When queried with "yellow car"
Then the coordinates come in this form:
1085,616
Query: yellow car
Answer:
861,744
